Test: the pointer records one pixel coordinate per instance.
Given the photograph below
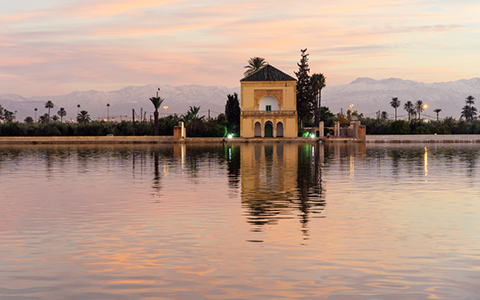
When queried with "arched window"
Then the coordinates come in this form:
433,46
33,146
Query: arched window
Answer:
258,129
268,103
279,129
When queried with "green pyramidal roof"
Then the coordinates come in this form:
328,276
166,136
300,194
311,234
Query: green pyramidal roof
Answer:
268,73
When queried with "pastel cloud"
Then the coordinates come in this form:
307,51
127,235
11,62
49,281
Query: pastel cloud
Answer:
107,44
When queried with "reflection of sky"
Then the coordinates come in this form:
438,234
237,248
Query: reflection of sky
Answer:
96,227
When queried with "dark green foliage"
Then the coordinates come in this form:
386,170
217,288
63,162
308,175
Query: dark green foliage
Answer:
305,96
327,117
157,102
268,73
167,124
254,64
124,128
462,127
475,127
415,126
198,126
375,126
13,129
444,129
28,120
418,127
469,112
399,127
144,128
232,111
318,82
395,103
211,128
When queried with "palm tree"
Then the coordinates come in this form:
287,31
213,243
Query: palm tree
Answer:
108,111
157,102
35,114
469,111
318,82
469,100
419,107
78,108
395,103
55,118
83,117
437,111
409,108
192,120
44,119
191,114
384,115
62,113
49,105
255,64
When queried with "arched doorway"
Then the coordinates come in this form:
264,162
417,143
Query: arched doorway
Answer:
268,129
258,129
279,129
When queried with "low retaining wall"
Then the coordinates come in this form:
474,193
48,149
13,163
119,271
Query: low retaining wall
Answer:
424,138
142,140
86,140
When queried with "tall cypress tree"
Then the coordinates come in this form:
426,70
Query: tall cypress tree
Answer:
232,111
305,95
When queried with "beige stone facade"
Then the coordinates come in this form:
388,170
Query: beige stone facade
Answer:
268,104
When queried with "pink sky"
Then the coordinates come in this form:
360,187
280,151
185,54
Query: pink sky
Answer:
55,47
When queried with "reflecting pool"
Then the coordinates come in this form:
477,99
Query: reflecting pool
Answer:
241,221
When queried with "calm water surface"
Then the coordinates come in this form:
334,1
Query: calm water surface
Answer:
240,222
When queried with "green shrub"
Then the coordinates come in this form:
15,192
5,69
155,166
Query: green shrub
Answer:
444,129
399,127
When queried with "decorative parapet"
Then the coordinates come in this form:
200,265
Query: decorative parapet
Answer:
269,113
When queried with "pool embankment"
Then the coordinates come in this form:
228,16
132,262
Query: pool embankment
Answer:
56,140
424,138
420,138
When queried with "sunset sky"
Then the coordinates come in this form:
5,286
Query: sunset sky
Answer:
54,47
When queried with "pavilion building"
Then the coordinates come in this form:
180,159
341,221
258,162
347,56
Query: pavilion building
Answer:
268,104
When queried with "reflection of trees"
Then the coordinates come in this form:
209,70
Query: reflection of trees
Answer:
412,158
469,156
232,156
156,172
309,179
49,153
13,153
205,154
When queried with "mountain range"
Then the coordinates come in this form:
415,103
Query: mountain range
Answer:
367,96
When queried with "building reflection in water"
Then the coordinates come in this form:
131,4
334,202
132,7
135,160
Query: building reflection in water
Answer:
281,181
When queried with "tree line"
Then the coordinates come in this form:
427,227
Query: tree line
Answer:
7,116
47,125
414,110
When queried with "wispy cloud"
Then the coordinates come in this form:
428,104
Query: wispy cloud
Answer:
112,43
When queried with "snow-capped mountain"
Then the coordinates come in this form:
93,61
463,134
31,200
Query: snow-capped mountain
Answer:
367,96
178,100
